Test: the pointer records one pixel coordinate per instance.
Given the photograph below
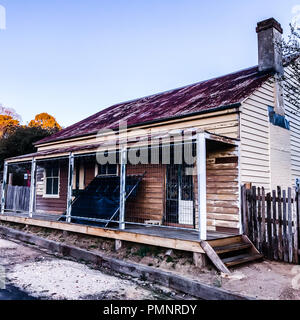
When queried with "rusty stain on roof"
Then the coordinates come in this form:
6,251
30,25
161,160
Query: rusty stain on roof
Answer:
199,97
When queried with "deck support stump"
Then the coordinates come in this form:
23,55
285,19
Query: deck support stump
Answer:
65,233
118,245
200,260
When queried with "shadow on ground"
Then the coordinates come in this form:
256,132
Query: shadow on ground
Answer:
13,293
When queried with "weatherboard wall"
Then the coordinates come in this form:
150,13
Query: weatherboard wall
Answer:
222,188
255,137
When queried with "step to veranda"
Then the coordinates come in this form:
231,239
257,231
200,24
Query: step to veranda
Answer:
240,259
232,247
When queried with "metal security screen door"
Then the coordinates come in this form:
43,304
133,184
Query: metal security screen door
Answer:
179,195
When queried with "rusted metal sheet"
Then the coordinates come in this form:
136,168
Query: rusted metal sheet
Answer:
199,97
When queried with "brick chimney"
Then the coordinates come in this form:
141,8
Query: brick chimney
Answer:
269,34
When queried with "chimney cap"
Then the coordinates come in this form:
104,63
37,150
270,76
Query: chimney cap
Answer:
267,24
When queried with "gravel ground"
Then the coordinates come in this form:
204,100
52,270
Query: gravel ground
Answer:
45,276
261,280
62,279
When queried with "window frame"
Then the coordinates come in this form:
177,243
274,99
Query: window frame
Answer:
45,194
107,174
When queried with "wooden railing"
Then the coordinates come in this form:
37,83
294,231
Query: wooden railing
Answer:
271,221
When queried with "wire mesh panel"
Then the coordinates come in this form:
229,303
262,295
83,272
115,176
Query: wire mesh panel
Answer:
96,189
147,206
179,196
17,193
159,184
167,193
160,187
51,186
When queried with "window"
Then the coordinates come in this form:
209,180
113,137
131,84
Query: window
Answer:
52,181
107,170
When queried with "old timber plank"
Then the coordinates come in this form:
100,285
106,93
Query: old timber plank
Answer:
185,245
215,259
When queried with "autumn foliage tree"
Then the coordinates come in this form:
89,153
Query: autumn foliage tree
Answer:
7,125
17,139
45,121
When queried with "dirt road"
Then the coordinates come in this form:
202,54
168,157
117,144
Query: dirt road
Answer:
32,273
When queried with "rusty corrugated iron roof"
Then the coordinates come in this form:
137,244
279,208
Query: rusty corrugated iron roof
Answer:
195,98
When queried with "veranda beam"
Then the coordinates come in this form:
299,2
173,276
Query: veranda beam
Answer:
122,188
70,187
32,187
4,187
201,177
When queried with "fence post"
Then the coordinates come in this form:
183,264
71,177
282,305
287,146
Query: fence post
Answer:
4,187
280,245
290,230
70,187
269,228
263,220
32,187
295,235
254,216
244,210
297,223
201,177
249,213
274,241
123,157
285,236
259,219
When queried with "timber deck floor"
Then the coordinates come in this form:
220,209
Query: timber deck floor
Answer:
174,233
169,232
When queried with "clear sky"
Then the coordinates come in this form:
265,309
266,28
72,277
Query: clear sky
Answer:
73,58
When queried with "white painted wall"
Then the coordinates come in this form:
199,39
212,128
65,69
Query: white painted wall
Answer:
280,157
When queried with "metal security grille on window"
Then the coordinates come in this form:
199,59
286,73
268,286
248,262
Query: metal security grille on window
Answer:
52,178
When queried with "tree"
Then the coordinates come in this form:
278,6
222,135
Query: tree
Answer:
21,141
7,125
45,121
9,120
10,112
289,81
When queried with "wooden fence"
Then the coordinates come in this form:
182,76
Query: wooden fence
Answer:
17,198
271,221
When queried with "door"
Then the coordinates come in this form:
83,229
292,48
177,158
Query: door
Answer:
179,195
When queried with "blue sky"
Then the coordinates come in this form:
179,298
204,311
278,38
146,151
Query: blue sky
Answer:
73,58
